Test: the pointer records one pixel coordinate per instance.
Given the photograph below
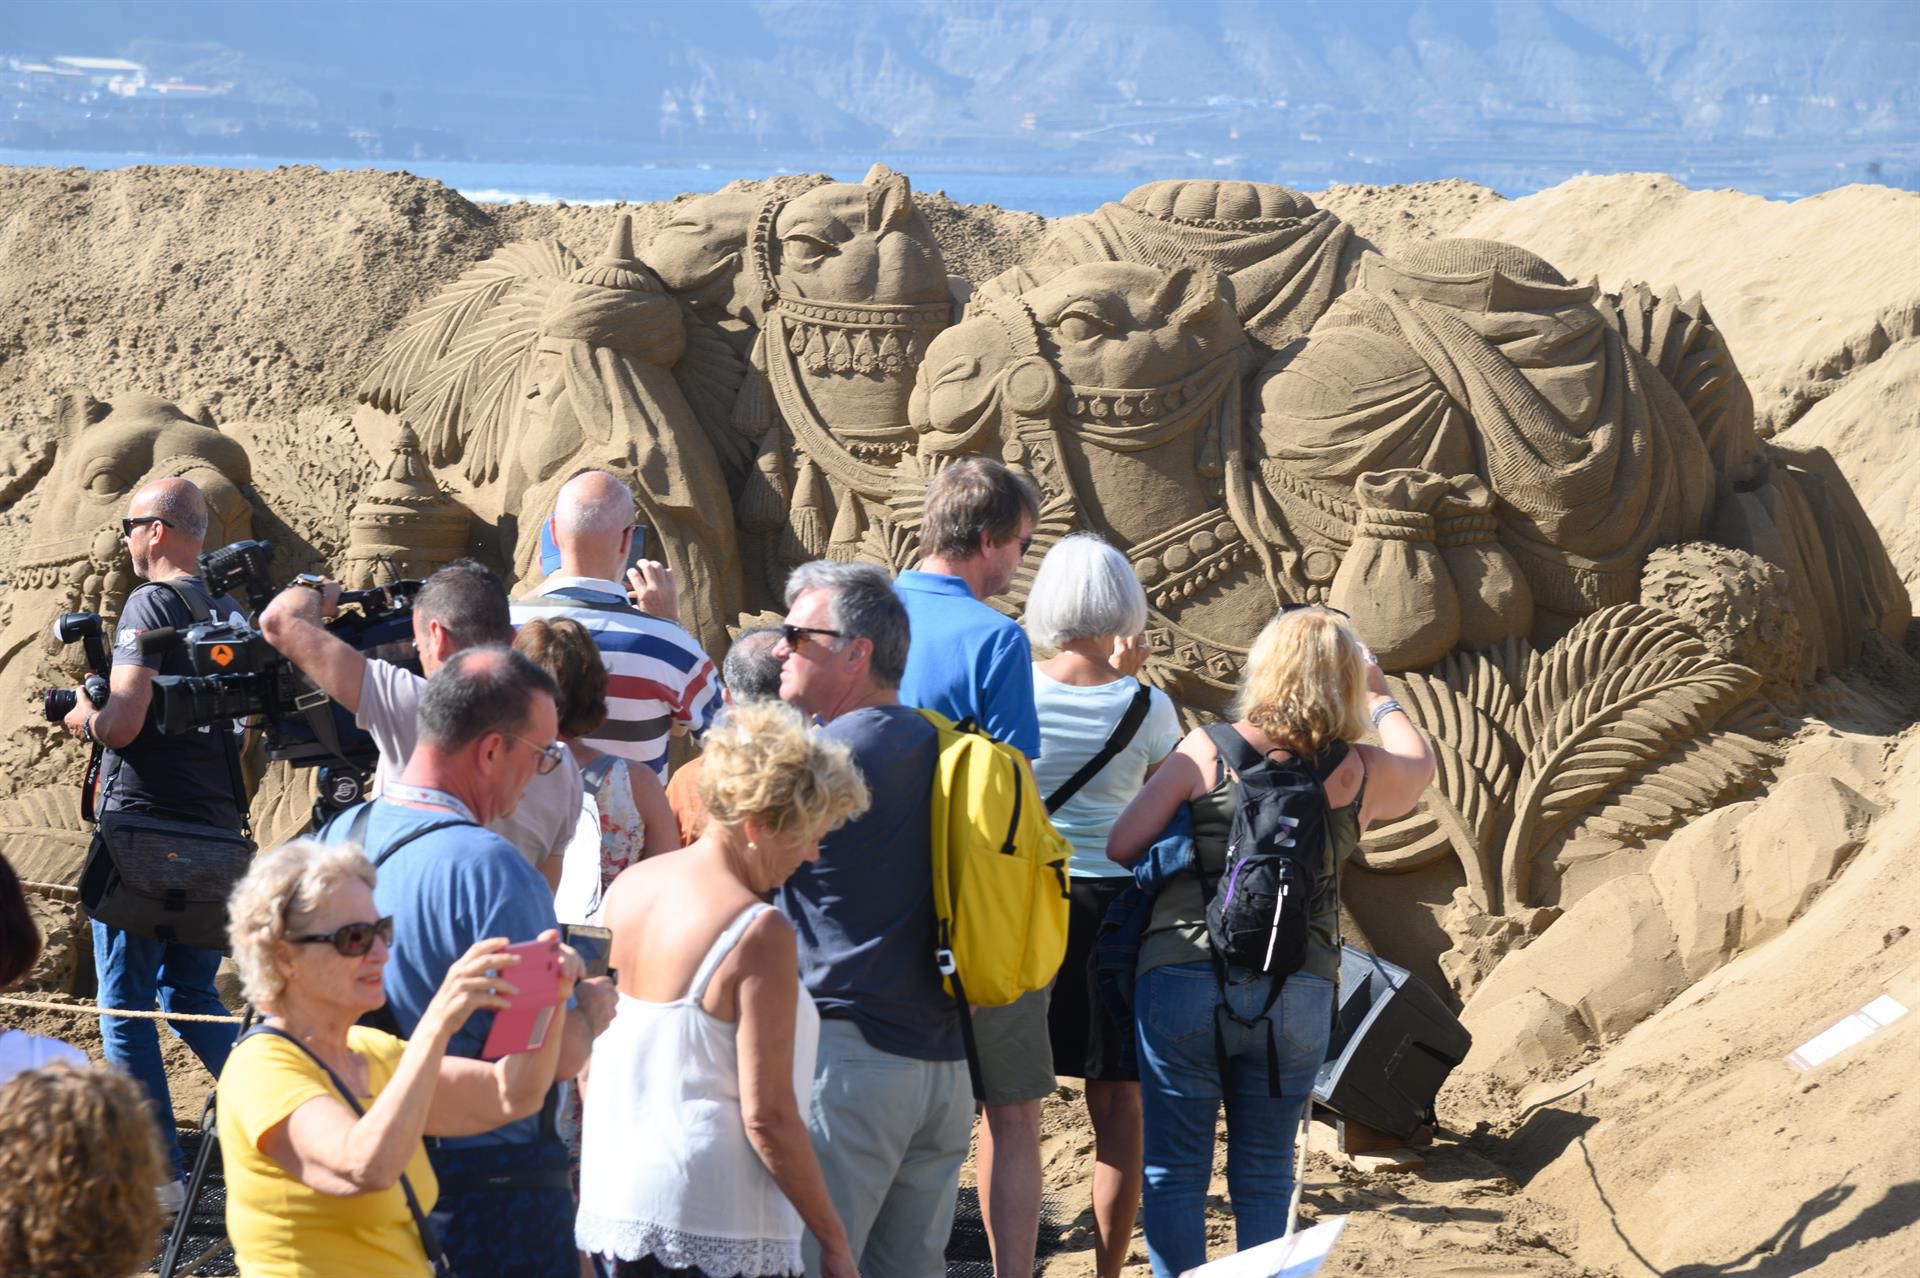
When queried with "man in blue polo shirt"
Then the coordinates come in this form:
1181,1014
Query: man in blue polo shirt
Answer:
968,661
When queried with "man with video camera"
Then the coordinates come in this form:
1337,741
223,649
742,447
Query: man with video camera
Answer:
193,778
462,605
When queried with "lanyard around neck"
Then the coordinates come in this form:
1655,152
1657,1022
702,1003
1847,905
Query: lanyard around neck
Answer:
400,792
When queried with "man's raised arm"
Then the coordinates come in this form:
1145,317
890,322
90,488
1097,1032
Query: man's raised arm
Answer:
292,624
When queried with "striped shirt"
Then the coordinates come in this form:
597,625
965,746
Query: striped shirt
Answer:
657,675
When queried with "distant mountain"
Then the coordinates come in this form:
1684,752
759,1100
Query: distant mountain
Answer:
1771,96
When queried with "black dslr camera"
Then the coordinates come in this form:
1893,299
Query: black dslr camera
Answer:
83,628
238,674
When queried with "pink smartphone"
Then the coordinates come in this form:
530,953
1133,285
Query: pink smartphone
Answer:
523,1025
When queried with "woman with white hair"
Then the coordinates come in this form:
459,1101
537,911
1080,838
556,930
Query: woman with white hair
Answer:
1102,734
320,1118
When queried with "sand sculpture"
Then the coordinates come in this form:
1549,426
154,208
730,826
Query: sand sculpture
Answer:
828,301
535,365
1473,457
74,559
1546,507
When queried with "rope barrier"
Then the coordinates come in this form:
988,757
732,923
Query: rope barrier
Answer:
83,1009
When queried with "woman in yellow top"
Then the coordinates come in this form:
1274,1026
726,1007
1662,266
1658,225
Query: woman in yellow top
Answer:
314,1190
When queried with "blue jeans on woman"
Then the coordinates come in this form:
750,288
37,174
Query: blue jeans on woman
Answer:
1180,1095
135,972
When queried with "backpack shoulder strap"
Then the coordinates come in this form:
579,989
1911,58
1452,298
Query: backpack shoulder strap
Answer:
411,835
1234,748
581,597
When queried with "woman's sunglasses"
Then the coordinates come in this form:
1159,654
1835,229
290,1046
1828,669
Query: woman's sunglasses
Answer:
352,939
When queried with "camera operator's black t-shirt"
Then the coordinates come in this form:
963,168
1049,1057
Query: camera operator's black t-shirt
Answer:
184,777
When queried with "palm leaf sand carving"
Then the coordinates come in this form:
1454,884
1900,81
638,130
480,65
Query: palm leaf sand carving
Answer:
42,834
455,366
1624,728
1605,707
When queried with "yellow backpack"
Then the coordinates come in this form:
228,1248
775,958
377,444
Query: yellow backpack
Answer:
999,870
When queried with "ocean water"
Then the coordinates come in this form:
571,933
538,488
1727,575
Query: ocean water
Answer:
1054,195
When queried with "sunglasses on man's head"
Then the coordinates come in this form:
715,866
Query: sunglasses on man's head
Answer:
796,636
128,525
351,939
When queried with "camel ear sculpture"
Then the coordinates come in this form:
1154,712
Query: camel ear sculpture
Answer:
889,198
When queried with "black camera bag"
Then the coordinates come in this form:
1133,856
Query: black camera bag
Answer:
152,876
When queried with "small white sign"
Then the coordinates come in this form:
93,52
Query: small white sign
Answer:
1297,1257
1847,1032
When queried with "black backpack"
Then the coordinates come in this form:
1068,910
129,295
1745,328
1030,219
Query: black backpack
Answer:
1259,908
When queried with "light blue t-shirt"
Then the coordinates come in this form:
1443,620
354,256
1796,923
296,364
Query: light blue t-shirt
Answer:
445,891
1074,723
968,661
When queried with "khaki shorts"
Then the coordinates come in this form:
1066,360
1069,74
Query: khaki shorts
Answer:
1016,1054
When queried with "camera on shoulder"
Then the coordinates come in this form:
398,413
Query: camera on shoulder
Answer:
237,674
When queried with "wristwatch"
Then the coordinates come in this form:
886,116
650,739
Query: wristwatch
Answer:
86,727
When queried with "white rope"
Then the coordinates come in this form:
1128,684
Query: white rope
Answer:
83,1009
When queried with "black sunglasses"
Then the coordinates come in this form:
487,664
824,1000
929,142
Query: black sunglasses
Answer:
1296,607
351,939
796,636
128,525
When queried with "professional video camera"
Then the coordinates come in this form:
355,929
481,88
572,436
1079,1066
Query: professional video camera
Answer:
237,673
86,628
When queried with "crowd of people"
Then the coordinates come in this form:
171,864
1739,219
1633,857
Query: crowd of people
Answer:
768,1077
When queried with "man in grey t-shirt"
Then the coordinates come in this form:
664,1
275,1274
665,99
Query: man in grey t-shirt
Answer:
461,606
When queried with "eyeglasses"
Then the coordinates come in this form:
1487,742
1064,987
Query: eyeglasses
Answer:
128,525
796,636
1026,544
1296,607
550,755
351,940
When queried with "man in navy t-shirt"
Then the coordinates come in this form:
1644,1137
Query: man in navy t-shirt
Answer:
891,1104
487,726
971,662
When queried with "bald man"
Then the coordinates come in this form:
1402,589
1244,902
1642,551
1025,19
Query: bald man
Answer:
185,778
659,681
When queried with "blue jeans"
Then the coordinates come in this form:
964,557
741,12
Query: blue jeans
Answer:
137,971
1180,1096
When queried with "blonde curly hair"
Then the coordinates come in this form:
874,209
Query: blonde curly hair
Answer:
762,760
285,884
1305,684
79,1160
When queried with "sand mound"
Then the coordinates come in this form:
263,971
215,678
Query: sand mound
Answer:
1806,292
1869,424
1395,218
1692,1148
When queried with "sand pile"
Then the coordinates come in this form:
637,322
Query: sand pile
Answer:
1662,1132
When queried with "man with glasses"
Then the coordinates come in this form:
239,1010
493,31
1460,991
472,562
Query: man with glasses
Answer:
461,605
659,680
488,724
185,778
972,662
891,1106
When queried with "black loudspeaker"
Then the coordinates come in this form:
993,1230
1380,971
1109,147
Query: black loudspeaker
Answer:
1394,1042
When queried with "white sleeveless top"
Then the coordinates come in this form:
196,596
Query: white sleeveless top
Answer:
666,1169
